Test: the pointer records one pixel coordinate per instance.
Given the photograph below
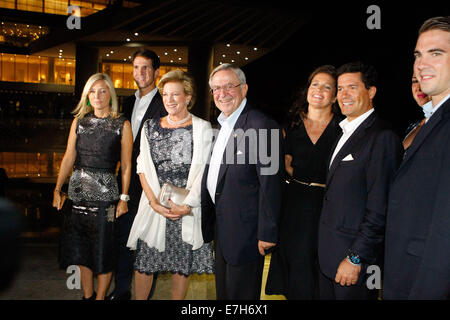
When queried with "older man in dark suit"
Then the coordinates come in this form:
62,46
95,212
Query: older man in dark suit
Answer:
241,188
417,257
362,165
145,104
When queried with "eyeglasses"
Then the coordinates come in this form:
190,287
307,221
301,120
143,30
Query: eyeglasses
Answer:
226,88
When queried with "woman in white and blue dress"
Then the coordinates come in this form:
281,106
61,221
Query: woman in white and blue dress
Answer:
174,149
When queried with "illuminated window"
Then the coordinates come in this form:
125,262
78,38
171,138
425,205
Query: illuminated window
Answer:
37,69
122,73
59,6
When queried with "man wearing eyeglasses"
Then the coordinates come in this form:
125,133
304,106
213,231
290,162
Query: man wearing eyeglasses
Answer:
241,190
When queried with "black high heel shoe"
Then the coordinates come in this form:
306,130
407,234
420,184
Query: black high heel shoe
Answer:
94,295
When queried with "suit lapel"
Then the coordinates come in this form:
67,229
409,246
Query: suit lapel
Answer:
424,133
151,110
349,144
232,143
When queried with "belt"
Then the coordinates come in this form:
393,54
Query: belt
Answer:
309,184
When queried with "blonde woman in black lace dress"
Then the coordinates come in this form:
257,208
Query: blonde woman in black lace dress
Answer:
99,138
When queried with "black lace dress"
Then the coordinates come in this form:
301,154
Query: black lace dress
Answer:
171,154
87,236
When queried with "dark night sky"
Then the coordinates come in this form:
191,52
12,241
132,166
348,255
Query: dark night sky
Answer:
337,34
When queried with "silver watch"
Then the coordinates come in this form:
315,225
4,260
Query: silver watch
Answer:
124,197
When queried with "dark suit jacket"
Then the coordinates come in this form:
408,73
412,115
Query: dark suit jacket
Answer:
155,110
247,203
417,256
354,208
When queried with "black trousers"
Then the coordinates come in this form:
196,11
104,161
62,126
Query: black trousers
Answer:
330,290
124,268
237,282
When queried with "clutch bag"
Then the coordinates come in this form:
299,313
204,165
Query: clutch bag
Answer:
174,193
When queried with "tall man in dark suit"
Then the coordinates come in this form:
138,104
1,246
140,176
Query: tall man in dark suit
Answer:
351,229
241,188
145,104
417,256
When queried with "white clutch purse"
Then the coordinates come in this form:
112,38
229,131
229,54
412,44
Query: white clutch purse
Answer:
174,193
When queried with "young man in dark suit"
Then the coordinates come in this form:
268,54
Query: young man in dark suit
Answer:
241,188
417,256
351,229
145,104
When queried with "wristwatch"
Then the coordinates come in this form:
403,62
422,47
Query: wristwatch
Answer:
353,258
124,197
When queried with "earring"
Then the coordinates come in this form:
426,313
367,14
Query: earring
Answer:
88,103
187,103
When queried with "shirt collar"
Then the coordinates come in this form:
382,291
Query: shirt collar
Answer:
429,109
350,126
149,95
231,120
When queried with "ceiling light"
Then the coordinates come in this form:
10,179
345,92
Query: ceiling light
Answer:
136,34
238,52
228,45
232,60
175,50
255,48
112,51
223,56
246,58
107,54
179,59
128,39
165,53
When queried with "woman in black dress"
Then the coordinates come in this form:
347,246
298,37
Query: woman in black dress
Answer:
309,139
99,138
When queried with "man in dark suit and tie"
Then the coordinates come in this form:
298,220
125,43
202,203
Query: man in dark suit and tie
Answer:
352,223
417,255
145,104
241,188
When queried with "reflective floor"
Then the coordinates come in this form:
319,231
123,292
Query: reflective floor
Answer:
39,278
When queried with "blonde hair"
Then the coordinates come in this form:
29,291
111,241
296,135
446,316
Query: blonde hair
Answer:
181,77
83,108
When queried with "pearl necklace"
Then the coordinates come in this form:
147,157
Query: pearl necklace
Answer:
175,123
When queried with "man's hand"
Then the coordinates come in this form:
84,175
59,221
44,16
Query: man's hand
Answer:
262,245
347,274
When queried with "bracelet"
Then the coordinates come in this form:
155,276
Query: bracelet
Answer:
150,201
59,190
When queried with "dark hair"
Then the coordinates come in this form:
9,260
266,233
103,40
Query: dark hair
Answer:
436,23
299,108
149,54
369,75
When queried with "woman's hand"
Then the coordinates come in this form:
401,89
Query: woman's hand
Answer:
165,212
122,207
58,199
179,210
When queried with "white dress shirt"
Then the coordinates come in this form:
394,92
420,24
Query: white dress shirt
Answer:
227,126
140,107
434,108
348,127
